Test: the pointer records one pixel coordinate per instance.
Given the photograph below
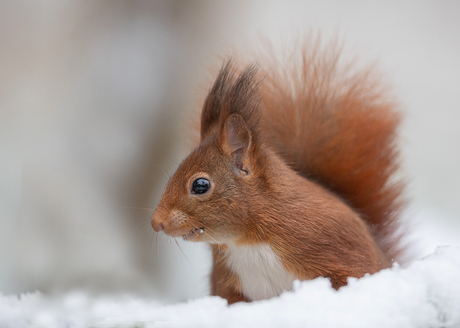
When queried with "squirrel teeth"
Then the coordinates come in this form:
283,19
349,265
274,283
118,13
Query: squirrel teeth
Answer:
193,232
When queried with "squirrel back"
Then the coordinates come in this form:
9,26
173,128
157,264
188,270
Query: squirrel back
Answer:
294,177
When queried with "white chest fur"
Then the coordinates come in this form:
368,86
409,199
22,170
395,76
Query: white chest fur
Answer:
259,269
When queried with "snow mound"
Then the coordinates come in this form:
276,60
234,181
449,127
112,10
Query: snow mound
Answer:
426,293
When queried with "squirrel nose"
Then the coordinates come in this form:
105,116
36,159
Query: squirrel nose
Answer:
157,225
161,227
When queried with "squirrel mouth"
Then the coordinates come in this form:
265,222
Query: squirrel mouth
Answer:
194,232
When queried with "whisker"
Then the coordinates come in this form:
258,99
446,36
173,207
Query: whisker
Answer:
150,249
142,229
164,171
151,243
205,226
157,244
210,237
182,251
138,208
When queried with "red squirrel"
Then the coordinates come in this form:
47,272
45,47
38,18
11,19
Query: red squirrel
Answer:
294,176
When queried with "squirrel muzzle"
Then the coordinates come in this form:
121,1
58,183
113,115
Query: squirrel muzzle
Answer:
175,223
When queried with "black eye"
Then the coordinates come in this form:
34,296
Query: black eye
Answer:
200,186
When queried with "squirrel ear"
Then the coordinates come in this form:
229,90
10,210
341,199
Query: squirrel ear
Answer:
235,140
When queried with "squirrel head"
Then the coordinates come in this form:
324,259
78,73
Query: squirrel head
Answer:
209,196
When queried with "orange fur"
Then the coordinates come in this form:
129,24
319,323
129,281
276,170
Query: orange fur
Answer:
301,155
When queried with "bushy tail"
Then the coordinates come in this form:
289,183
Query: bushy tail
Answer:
336,125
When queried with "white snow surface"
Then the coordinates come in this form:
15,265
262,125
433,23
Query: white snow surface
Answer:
426,293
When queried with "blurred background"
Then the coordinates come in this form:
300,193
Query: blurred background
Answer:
95,97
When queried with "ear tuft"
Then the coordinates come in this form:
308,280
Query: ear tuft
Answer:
215,99
233,91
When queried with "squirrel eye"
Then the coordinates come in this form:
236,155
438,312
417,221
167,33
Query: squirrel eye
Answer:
200,186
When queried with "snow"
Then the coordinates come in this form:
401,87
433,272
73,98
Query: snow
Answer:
426,293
